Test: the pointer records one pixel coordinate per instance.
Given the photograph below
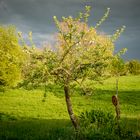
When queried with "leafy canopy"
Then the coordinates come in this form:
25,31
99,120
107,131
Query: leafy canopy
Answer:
82,52
11,56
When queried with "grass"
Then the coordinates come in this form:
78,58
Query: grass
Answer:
24,115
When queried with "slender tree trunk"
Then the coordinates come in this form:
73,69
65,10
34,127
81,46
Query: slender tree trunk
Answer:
117,80
69,107
118,104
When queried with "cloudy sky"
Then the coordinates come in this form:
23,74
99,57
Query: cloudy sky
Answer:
36,16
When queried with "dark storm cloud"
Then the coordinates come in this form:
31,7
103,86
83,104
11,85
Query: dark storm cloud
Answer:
36,16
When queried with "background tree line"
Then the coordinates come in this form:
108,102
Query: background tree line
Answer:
20,63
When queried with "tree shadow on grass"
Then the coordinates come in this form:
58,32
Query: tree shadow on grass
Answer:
53,129
35,129
130,126
126,97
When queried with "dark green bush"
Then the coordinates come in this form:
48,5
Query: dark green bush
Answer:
96,118
100,125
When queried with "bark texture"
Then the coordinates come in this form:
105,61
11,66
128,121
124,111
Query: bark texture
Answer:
69,107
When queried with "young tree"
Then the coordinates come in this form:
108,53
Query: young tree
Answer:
118,68
11,57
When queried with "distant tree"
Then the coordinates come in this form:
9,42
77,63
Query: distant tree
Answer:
118,66
11,57
134,67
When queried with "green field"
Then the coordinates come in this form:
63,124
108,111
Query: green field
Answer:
24,114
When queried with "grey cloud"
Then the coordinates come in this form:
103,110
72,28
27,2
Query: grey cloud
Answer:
36,16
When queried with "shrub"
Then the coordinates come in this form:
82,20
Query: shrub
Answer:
96,117
100,125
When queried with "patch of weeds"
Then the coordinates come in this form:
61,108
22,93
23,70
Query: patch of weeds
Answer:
97,124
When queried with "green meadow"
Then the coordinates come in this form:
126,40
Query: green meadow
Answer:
28,115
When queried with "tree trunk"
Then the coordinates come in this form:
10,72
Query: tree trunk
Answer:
118,104
69,107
